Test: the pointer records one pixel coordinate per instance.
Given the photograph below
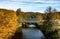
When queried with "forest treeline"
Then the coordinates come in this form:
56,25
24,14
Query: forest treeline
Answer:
56,15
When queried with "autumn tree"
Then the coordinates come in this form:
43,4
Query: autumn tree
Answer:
8,23
33,15
47,28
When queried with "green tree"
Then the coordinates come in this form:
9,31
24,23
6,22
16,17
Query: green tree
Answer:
18,11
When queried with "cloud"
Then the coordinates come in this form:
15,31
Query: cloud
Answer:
29,5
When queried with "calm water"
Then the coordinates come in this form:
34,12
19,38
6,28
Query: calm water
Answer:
32,33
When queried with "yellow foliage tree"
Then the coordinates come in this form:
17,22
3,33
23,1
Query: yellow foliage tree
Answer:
8,23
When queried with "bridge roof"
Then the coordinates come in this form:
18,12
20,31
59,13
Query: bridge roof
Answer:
31,20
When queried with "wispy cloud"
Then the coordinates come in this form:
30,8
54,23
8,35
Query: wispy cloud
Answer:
30,5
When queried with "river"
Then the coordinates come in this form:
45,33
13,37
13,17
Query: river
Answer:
32,33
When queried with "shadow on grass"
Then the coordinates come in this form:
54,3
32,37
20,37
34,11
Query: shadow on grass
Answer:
17,35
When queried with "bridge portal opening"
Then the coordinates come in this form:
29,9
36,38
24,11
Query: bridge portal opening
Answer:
27,25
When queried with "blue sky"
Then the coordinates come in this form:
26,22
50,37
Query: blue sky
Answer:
30,5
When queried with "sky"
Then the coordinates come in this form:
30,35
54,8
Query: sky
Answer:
30,5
